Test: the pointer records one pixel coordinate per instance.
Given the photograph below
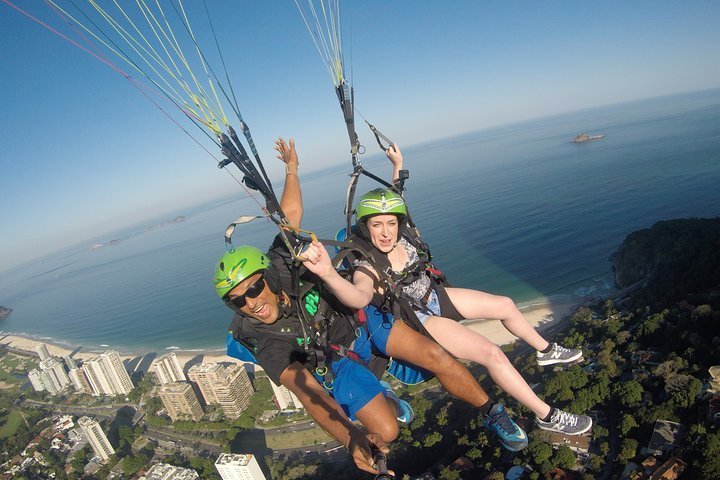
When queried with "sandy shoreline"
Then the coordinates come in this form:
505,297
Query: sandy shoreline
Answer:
540,314
133,361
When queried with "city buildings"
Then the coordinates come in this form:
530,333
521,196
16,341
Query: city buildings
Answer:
42,351
96,437
232,466
227,386
180,401
167,369
51,376
40,381
56,370
107,375
286,400
71,363
163,471
80,380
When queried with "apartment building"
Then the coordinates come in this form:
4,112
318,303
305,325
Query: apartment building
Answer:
107,375
234,466
167,369
96,437
180,401
227,386
285,399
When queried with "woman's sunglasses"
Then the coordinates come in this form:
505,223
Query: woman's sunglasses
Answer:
252,292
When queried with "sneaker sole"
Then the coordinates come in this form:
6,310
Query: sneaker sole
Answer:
544,363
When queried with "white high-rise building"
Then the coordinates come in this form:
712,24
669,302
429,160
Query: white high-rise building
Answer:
56,371
80,380
285,398
42,350
233,466
228,386
35,377
71,363
48,382
167,369
96,437
164,471
107,375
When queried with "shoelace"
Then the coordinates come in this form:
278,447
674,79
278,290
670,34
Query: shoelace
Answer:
564,418
503,421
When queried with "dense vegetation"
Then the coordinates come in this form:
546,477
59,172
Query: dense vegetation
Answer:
675,311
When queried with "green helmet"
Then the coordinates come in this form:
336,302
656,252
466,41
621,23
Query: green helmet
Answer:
378,201
237,265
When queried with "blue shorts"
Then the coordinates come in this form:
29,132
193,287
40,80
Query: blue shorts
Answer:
353,385
432,307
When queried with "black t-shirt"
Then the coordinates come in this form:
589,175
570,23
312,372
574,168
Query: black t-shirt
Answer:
278,345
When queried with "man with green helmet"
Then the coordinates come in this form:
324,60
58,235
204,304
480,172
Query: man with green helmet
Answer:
270,321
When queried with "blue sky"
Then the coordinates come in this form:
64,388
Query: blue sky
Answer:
83,153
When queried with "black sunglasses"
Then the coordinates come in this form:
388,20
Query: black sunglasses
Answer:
252,291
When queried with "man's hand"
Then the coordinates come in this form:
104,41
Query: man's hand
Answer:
395,156
287,151
361,448
318,260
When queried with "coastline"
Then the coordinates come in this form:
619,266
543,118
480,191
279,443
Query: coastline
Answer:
541,314
134,362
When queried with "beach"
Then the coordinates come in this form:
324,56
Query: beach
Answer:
134,362
539,314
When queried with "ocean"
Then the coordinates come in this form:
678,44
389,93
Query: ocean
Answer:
515,210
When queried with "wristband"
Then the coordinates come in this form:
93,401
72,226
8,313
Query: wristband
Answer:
291,168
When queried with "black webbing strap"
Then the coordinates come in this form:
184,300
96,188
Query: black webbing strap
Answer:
345,96
378,135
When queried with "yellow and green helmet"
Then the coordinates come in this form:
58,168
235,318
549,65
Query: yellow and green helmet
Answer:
380,201
236,265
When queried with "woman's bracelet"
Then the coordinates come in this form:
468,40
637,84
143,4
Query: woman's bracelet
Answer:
291,168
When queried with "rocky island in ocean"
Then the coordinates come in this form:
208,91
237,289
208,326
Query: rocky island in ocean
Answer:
4,311
584,137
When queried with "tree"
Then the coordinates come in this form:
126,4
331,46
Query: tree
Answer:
627,422
448,473
420,405
684,396
126,436
442,416
629,393
596,462
133,463
598,431
540,452
564,457
628,450
432,439
707,451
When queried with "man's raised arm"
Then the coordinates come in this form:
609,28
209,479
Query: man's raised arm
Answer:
291,201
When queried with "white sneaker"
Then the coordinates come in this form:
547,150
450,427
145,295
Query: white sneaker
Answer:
567,423
558,354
